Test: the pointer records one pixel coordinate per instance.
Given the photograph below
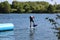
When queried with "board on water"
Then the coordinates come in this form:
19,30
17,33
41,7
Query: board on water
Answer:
34,25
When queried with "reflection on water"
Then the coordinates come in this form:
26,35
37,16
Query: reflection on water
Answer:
58,35
56,24
7,35
32,32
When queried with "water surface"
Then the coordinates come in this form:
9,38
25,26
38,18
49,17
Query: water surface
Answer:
22,30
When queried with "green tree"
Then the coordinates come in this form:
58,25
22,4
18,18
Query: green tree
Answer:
1,7
58,7
51,9
15,4
20,9
27,8
5,7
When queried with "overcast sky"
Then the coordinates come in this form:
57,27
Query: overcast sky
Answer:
52,2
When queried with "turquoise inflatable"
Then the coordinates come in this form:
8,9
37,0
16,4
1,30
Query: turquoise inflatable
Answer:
6,26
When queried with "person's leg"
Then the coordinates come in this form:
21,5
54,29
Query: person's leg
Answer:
33,23
30,24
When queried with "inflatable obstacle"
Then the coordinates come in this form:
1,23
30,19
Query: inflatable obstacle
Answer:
6,26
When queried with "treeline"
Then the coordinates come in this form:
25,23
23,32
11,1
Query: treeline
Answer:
29,7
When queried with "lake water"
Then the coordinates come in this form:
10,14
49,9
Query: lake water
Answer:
22,30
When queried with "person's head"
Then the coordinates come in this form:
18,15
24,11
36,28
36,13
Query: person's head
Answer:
32,16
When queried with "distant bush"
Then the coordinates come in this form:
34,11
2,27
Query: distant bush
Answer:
29,7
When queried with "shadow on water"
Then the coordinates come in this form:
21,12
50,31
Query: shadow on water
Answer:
58,35
32,32
6,30
58,29
56,24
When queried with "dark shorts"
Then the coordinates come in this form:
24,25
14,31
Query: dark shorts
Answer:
31,20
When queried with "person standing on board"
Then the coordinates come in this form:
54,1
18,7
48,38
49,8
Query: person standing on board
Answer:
31,20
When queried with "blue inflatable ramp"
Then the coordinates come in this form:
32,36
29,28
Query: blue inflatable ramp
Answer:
6,26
